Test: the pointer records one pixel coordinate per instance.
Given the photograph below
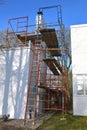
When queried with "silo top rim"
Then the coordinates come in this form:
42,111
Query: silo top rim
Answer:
40,12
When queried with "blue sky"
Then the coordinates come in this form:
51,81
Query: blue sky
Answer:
73,11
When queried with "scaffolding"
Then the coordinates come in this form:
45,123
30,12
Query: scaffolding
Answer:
48,78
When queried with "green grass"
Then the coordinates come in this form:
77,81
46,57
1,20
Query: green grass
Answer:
70,123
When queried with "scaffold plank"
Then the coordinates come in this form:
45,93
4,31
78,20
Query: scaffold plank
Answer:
29,37
54,65
50,38
58,65
51,65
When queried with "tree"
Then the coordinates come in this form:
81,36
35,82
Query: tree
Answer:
69,62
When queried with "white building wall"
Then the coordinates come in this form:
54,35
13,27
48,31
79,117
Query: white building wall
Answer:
14,72
79,68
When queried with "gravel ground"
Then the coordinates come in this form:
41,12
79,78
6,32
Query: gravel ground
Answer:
15,125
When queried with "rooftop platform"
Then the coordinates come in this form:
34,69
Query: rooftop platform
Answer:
48,36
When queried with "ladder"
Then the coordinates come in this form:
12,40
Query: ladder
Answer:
32,92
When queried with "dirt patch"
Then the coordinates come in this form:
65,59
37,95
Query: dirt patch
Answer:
18,124
15,125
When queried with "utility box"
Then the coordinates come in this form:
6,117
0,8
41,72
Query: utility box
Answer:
79,68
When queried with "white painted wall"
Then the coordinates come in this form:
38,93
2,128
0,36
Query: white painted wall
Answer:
79,67
14,69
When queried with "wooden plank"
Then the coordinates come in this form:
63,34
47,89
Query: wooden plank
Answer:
49,35
58,66
51,66
50,38
27,38
54,65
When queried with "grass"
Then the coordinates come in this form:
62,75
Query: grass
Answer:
70,123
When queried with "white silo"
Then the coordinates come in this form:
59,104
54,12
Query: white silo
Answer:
40,23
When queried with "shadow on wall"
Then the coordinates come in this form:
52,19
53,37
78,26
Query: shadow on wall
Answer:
14,70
